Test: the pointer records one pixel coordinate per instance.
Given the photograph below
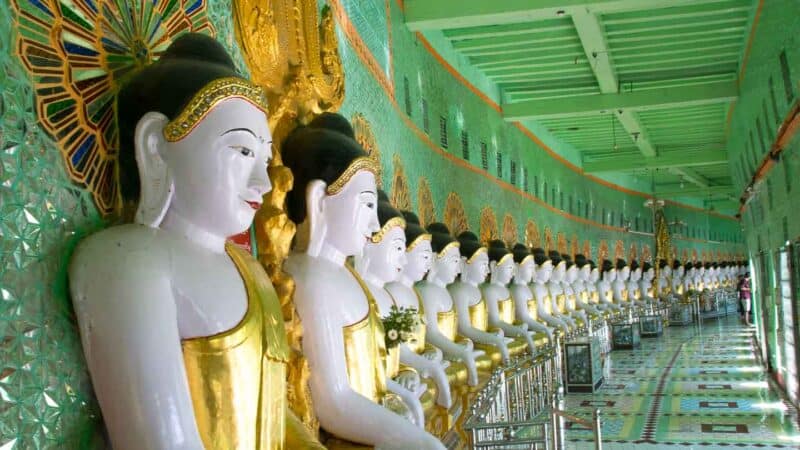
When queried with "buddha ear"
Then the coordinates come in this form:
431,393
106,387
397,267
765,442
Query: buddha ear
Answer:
156,184
315,215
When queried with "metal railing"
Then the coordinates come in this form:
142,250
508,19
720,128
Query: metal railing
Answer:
557,416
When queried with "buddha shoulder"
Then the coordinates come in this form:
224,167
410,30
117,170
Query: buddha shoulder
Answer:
122,249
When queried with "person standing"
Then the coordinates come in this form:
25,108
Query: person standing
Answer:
744,297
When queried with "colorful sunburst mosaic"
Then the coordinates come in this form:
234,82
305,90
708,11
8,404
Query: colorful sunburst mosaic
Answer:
78,53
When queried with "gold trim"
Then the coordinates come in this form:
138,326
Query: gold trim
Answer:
358,164
391,223
475,255
504,258
207,98
525,259
417,240
447,247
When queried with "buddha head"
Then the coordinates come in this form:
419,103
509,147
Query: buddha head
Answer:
501,262
525,266
609,272
571,273
447,257
419,253
623,271
689,269
334,200
194,143
474,258
648,272
699,270
677,268
594,275
636,271
584,268
544,267
559,266
384,256
663,267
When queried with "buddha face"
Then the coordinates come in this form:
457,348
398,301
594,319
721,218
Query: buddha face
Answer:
386,259
544,271
559,272
624,273
218,171
477,269
448,265
585,272
350,216
636,275
610,275
572,274
504,272
667,271
594,275
524,272
650,274
418,261
679,271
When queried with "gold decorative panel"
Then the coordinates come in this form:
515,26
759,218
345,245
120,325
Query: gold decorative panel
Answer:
548,239
619,250
602,252
685,255
646,255
427,212
633,253
561,240
454,216
574,246
587,249
489,228
401,197
291,50
509,230
694,255
532,237
365,137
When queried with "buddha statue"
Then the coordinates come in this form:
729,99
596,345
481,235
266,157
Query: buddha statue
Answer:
582,290
499,304
689,277
593,289
182,331
440,311
634,291
570,277
471,308
604,286
700,276
620,284
380,263
646,284
677,279
541,280
663,284
525,306
334,202
555,287
421,354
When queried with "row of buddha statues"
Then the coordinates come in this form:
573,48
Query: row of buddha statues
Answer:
183,332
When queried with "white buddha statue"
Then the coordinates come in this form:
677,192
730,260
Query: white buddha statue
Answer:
634,291
605,286
690,277
700,277
499,304
582,290
558,296
676,280
646,284
182,331
426,358
334,203
440,311
620,285
570,277
593,290
544,304
471,308
525,306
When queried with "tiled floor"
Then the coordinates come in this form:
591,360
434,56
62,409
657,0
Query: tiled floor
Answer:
693,387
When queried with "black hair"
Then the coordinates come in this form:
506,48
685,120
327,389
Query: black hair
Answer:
323,150
646,266
580,260
166,86
469,243
606,265
520,252
386,211
634,265
567,259
413,228
621,263
440,236
497,250
675,264
554,256
688,266
662,263
539,256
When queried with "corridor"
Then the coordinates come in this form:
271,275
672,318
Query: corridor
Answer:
690,388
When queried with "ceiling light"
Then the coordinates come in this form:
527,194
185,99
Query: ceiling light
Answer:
560,13
573,129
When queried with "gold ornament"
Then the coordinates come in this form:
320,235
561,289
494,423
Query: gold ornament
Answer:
561,240
401,198
391,223
417,241
427,212
364,136
532,237
454,216
454,244
509,230
488,229
358,164
548,239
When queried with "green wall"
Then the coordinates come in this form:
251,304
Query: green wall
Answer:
769,89
45,394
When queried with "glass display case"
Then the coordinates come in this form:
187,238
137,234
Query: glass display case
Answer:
681,313
651,325
625,335
584,364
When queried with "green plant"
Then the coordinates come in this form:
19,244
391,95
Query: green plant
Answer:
399,325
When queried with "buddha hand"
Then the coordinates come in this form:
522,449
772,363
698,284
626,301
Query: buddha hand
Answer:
433,354
408,379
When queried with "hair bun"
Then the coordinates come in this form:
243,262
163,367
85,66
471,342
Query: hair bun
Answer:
335,122
198,47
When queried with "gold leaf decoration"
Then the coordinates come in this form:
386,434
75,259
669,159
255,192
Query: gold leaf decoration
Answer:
619,250
602,252
646,255
532,237
401,197
574,246
633,253
561,240
365,137
427,212
509,230
489,228
685,255
293,54
454,216
548,239
694,255
587,249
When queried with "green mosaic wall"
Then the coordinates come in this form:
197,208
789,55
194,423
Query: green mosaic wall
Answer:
45,394
769,89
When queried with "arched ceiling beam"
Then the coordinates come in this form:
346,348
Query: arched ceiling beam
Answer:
676,159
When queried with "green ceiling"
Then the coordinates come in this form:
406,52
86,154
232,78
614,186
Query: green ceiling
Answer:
640,86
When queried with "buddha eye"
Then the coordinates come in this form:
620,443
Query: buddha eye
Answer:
244,150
